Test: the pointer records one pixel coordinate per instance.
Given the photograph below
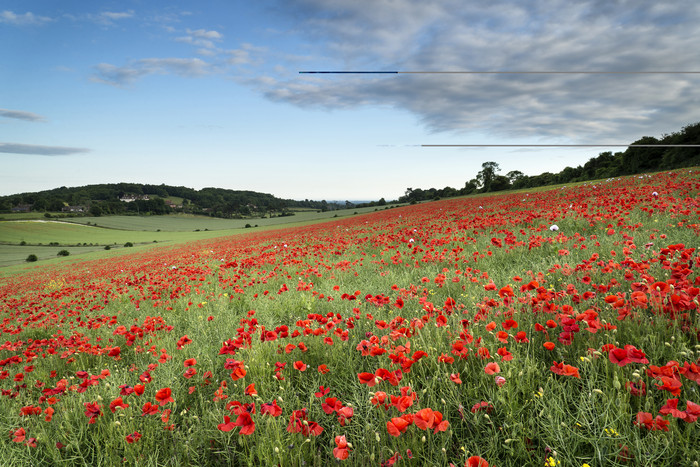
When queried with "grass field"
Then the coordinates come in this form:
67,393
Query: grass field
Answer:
81,235
549,328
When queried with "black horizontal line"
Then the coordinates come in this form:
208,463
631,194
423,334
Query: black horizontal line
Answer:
560,145
348,72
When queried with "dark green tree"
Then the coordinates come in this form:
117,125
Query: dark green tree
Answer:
486,175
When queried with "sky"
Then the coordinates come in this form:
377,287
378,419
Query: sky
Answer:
209,94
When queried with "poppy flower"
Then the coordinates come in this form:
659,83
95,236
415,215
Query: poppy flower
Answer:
692,411
149,409
454,377
564,370
398,425
19,435
250,390
341,451
299,365
476,461
367,378
491,368
133,437
163,396
619,357
482,406
117,403
271,409
323,369
92,411
671,408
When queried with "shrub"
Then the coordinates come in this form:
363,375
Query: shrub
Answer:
128,244
247,226
31,258
107,247
63,253
22,243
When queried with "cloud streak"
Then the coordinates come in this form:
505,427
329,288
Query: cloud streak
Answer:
529,35
125,75
21,115
24,19
33,149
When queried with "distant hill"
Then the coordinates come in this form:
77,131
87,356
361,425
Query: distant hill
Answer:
136,198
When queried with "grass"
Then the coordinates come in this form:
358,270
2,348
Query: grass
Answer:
382,287
88,234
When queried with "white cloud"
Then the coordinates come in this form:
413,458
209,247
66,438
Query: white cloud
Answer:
117,15
128,74
204,34
525,35
24,19
108,18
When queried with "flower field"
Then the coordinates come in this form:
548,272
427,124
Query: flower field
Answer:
547,328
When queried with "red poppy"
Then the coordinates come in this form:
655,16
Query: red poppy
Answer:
482,406
271,409
133,437
341,451
454,377
367,378
671,408
476,461
92,411
250,390
299,365
117,403
692,411
149,409
565,370
398,425
163,396
323,369
491,368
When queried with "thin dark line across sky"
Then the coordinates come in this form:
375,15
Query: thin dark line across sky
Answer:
560,145
488,72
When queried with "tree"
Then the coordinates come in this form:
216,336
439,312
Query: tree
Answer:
486,175
514,176
470,187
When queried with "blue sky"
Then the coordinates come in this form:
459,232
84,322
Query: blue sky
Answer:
208,93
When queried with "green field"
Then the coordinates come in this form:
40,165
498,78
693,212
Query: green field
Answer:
81,235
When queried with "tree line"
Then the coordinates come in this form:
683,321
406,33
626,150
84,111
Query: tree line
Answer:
156,199
633,160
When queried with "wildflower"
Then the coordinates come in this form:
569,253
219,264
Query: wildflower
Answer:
491,368
92,411
341,450
132,438
554,227
163,396
476,461
117,403
398,425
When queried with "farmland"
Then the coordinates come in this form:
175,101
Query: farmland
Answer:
31,233
556,327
